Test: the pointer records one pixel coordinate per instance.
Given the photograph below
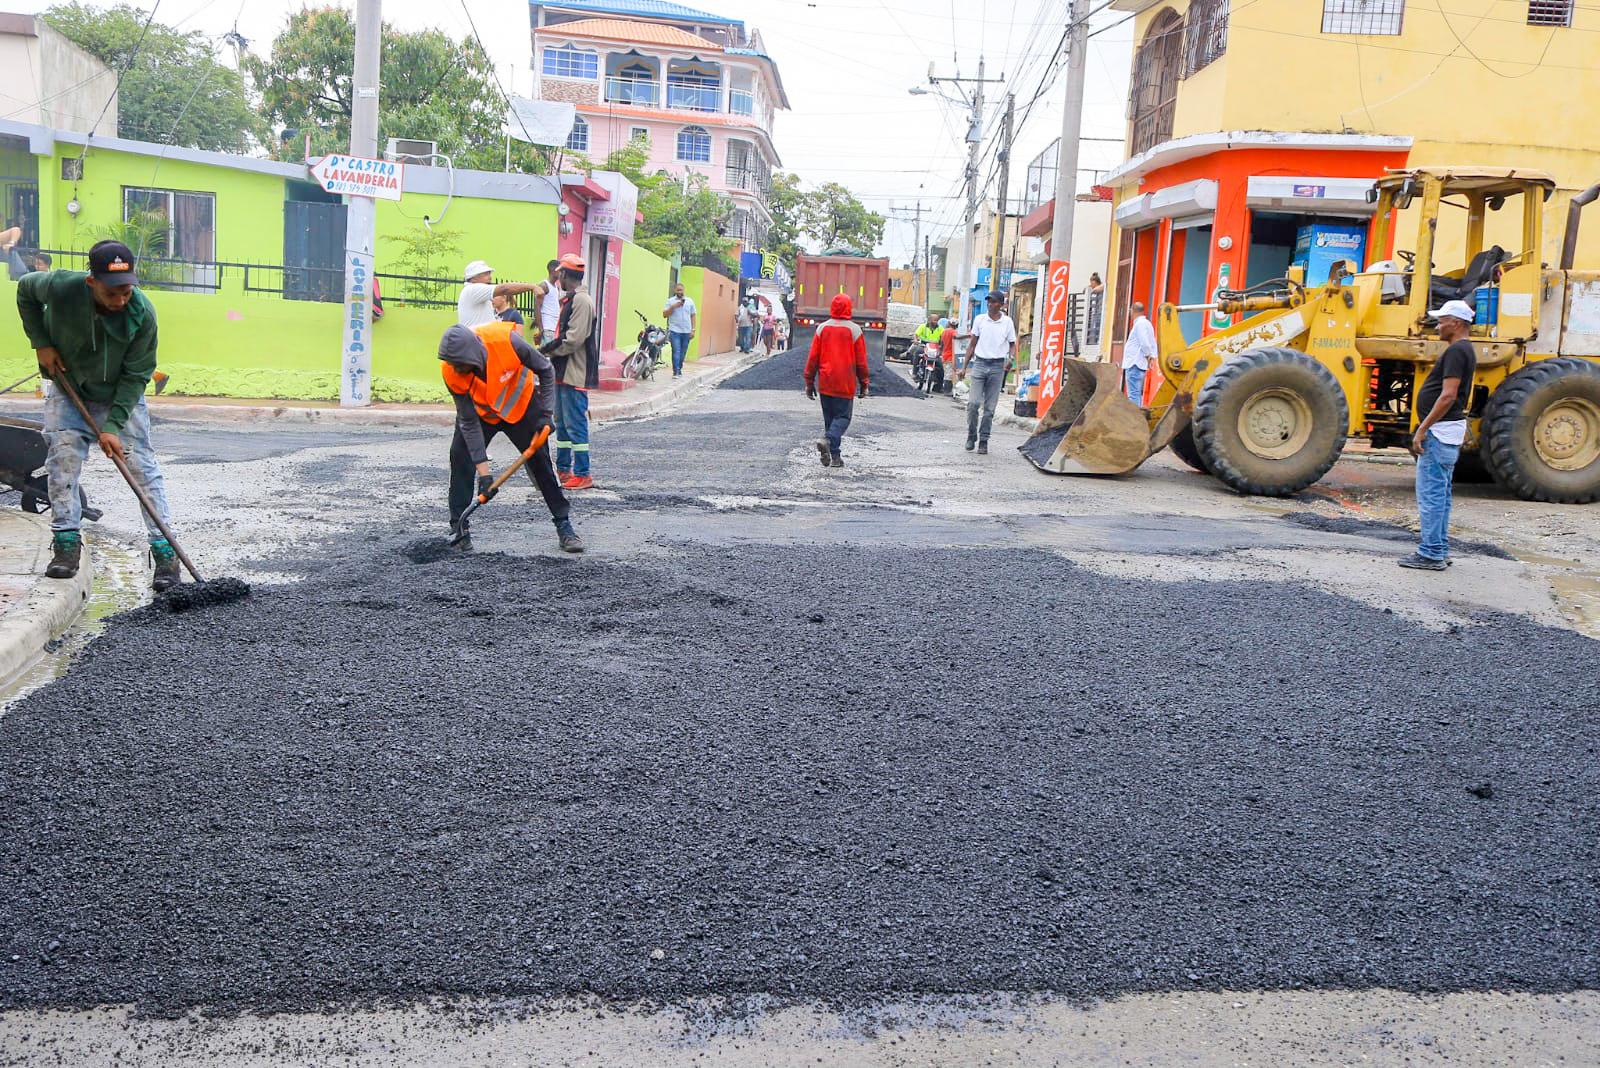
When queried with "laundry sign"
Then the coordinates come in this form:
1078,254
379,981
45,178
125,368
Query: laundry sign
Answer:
357,176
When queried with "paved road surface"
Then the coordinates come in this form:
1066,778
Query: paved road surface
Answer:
933,723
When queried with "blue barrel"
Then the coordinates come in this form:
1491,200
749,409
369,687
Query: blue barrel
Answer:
1486,305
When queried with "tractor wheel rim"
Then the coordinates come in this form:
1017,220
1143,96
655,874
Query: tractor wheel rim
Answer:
1275,423
1567,434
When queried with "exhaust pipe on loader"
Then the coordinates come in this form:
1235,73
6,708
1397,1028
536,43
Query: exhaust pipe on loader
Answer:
1092,428
1569,242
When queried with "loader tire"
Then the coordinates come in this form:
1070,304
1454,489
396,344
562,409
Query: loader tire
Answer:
1472,468
1541,432
1183,445
1270,422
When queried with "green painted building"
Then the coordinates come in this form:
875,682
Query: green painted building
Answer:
247,289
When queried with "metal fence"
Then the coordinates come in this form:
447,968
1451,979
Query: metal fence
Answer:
180,276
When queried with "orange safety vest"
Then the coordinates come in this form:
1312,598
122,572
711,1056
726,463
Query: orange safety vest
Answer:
504,392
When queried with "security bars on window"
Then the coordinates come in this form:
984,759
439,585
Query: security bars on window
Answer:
1363,16
1549,12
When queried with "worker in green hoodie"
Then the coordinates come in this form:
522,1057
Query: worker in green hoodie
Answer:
96,330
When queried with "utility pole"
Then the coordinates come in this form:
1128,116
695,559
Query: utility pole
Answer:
916,247
355,379
1053,321
1005,178
927,270
966,276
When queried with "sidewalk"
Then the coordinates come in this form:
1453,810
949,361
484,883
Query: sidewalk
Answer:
640,399
33,609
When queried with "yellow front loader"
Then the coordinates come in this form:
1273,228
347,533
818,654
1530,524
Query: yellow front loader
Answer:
1267,404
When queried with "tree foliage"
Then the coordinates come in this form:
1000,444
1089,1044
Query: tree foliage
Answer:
175,92
681,217
829,217
431,88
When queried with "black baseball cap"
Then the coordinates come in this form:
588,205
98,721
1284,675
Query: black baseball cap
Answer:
996,296
111,264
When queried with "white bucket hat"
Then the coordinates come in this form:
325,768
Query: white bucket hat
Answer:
477,267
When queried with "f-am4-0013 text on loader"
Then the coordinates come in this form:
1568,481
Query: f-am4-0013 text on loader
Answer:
1267,404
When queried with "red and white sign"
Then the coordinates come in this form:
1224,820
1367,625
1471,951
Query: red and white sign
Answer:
1052,326
357,176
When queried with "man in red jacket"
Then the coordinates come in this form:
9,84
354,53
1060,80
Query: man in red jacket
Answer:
837,368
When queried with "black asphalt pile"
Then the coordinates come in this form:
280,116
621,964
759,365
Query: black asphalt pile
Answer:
207,594
787,371
822,771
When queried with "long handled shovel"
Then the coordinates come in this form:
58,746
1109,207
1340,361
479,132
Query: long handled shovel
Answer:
501,479
221,590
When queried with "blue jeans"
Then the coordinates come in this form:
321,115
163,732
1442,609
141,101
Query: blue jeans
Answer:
680,349
985,378
70,440
1435,469
1133,377
572,430
744,338
836,419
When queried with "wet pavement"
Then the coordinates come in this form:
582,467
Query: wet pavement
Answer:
932,725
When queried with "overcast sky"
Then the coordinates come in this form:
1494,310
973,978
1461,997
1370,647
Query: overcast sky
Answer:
847,66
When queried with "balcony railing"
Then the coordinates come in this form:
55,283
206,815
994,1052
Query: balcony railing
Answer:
741,102
742,178
694,97
632,91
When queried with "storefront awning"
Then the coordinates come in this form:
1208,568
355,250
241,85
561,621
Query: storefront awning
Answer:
1198,197
1346,196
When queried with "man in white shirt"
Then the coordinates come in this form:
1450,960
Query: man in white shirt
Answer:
680,312
1137,353
475,306
989,354
547,299
745,322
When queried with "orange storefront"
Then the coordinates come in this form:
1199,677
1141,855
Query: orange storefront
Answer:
1212,211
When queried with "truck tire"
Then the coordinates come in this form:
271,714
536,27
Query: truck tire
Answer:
1270,422
1541,432
1183,445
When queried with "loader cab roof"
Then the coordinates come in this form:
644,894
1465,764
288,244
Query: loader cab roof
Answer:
1485,181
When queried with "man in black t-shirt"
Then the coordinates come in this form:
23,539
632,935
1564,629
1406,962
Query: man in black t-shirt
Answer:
1442,427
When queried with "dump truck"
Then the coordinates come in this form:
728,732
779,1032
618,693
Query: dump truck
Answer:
1267,404
817,279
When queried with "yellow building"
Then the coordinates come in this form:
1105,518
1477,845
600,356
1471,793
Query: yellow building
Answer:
1257,125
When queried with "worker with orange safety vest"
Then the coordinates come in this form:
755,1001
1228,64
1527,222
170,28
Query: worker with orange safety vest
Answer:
501,384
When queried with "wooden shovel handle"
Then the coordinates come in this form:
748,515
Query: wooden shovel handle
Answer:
527,454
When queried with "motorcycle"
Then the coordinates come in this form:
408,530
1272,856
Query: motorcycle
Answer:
927,368
642,362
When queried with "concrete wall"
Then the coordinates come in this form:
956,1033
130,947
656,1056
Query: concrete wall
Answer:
716,299
48,80
644,286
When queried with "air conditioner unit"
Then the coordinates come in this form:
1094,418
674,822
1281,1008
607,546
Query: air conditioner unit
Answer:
406,150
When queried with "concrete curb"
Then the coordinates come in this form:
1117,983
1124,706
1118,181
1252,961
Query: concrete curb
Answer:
430,415
52,605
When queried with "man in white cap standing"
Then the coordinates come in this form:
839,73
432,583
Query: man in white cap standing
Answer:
1442,404
475,306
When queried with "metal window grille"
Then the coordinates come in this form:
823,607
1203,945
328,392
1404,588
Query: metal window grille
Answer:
694,145
578,139
1153,94
1549,12
1040,188
1208,34
1378,17
571,63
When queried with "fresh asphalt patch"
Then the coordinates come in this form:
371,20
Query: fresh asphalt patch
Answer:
1377,528
815,771
787,371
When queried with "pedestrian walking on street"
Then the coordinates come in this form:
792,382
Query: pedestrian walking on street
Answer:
837,369
575,352
96,330
683,318
1442,428
746,324
989,355
507,312
501,384
1137,353
769,331
475,305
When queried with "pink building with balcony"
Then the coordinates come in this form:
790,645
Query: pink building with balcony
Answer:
697,88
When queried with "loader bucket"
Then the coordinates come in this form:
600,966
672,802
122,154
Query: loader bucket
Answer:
1092,428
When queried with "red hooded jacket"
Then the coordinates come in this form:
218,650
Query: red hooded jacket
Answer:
838,352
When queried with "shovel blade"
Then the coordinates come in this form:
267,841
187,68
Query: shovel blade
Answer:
1092,428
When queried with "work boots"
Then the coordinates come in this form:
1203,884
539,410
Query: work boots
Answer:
165,559
570,542
68,545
